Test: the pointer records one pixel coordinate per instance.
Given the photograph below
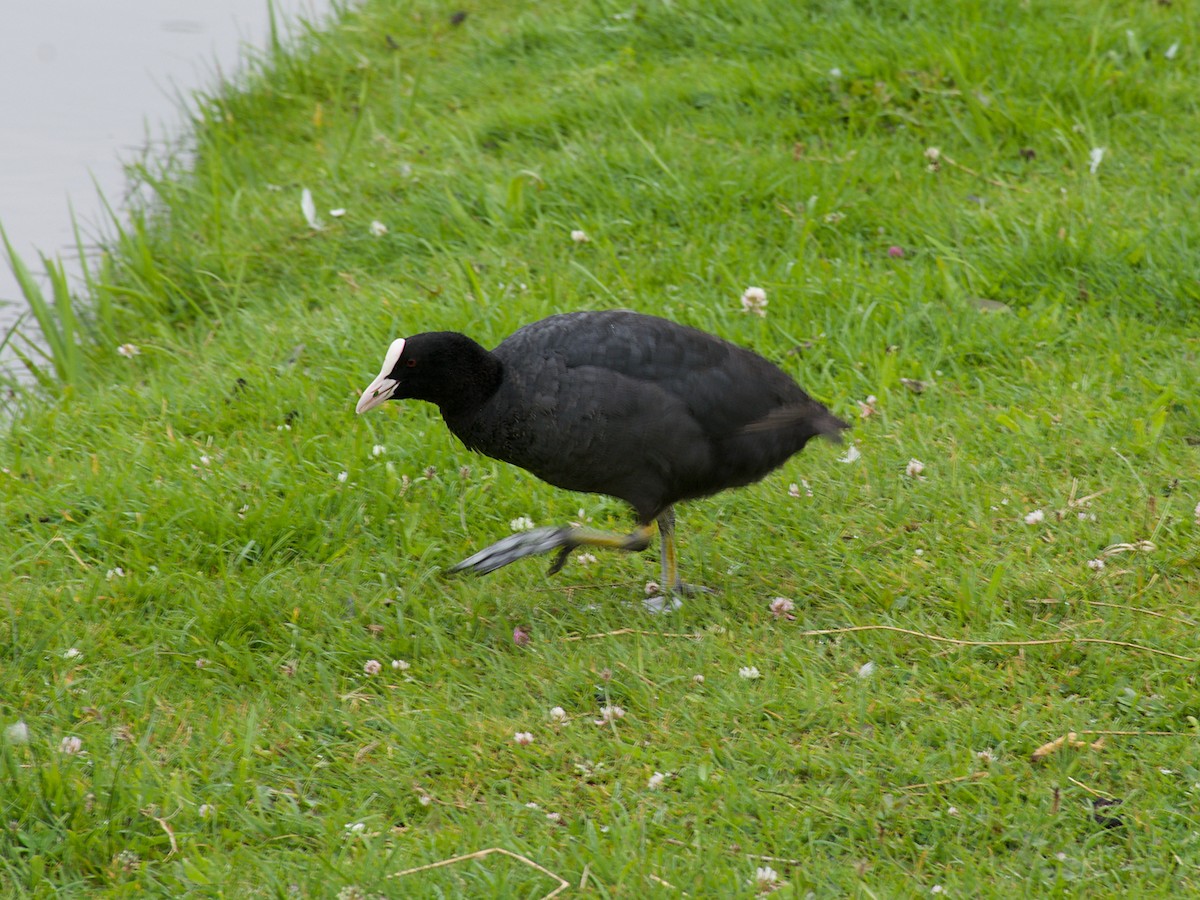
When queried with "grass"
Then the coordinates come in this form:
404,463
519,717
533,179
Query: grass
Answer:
195,588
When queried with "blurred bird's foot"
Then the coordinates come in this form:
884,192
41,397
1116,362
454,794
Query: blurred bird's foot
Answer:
517,546
661,603
670,601
543,540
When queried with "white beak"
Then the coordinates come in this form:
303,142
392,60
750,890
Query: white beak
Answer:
377,392
382,388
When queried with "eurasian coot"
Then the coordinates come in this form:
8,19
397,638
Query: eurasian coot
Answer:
613,402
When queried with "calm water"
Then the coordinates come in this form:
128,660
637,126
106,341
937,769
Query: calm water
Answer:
85,85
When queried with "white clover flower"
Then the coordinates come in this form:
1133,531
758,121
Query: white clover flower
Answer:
378,229
17,733
749,673
129,351
1094,159
766,879
70,745
425,800
655,781
852,454
1035,517
987,755
342,476
781,606
794,489
558,714
610,714
698,679
554,817
579,236
754,300
866,670
531,805
933,154
378,450
914,468
115,572
1095,564
523,738
952,810
206,810
937,889
372,667
521,523
400,665
586,559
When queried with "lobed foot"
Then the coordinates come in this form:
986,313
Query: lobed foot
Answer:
669,601
517,546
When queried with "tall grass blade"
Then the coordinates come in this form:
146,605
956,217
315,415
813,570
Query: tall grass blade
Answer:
43,313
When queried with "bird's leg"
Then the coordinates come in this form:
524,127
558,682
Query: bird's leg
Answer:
670,565
543,540
634,542
671,582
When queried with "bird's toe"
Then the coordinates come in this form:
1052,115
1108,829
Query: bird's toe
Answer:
661,603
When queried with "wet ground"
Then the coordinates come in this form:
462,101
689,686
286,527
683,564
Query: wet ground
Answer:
86,86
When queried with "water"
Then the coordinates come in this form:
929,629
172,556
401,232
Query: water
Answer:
85,85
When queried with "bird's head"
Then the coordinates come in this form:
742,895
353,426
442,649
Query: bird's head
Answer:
443,367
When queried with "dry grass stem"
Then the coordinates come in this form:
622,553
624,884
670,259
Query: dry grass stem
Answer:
1090,790
480,854
621,631
1050,601
974,776
165,827
966,643
1070,739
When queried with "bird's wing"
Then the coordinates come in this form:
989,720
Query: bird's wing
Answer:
725,387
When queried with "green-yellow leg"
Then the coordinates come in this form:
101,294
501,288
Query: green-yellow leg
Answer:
671,582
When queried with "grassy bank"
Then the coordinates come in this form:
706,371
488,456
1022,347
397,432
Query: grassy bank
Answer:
205,547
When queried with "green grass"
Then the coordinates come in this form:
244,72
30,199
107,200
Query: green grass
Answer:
704,146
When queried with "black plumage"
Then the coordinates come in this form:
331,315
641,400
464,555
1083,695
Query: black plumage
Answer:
613,402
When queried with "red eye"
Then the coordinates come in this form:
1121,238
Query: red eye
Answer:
411,363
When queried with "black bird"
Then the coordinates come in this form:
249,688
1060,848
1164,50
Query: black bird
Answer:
615,403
